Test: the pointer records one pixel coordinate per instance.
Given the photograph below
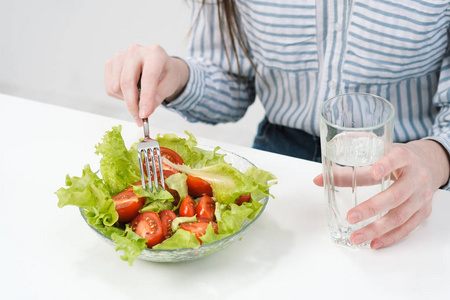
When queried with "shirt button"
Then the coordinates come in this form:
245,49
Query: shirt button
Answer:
338,26
331,84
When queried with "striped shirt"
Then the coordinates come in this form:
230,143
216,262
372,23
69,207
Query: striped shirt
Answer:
308,51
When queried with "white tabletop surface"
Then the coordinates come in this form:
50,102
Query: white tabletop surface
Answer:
50,253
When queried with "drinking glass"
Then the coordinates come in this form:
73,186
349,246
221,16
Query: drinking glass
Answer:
355,131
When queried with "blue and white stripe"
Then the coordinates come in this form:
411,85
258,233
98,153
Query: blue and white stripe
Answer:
308,51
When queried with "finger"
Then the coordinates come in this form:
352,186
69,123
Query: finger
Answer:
348,177
392,197
404,230
318,180
108,79
152,73
344,176
393,219
107,76
129,78
397,158
116,72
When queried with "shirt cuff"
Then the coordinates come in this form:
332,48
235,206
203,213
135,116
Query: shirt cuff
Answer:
446,144
193,92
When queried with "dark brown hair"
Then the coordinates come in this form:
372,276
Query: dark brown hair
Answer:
229,25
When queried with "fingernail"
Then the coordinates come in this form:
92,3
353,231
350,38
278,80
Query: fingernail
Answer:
358,239
137,120
144,111
378,172
354,217
377,245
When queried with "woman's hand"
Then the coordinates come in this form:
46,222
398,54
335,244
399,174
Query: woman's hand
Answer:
418,168
163,78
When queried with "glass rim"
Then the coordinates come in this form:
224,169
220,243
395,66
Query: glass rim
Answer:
389,118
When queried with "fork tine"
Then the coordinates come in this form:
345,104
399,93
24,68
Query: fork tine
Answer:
142,169
155,174
147,165
161,173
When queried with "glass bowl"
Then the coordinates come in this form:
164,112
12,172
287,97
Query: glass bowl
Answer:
188,254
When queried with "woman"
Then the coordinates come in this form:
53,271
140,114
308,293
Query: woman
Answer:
295,55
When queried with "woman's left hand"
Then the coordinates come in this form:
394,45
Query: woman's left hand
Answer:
418,169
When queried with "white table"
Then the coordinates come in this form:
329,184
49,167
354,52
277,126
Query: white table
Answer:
50,253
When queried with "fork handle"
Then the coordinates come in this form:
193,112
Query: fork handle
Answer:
144,121
145,126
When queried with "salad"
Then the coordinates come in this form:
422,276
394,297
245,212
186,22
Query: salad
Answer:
206,199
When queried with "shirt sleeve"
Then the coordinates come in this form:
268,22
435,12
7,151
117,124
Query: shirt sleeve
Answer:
214,94
440,131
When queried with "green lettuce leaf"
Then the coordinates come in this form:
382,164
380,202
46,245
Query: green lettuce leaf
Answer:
210,236
117,165
232,216
181,146
255,206
192,155
82,191
104,214
152,196
90,193
134,158
178,220
156,200
157,206
263,179
179,240
178,183
130,243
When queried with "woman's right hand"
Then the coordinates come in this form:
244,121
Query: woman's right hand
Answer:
163,78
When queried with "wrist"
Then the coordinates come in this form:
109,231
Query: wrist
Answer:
182,71
439,158
446,164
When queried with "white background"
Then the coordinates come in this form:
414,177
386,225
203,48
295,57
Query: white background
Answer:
54,51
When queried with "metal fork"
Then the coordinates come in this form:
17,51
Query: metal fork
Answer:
149,148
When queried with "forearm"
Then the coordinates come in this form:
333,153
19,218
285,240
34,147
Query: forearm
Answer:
212,95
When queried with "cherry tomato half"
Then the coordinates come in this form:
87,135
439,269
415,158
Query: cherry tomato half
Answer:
199,228
243,198
128,204
169,154
205,208
167,216
172,156
187,207
148,225
197,187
